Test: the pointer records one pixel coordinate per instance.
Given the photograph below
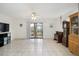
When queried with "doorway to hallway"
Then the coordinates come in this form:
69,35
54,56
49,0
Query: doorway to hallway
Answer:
36,31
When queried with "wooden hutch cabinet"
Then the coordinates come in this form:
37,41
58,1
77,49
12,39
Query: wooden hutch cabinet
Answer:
74,33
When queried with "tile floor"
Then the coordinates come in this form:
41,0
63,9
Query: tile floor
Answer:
34,47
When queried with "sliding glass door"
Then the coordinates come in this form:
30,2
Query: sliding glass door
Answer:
36,30
32,30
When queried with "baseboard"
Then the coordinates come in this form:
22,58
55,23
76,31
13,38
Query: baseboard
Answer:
28,38
47,38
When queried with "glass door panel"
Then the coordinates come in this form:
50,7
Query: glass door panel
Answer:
32,29
39,30
74,25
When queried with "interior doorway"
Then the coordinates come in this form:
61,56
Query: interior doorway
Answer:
36,30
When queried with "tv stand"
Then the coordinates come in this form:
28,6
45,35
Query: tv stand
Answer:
5,38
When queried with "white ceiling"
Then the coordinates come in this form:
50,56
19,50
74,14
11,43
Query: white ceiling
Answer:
43,10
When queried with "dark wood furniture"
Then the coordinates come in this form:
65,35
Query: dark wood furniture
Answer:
58,36
74,33
65,33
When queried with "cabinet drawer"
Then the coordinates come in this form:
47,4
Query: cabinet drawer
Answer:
78,51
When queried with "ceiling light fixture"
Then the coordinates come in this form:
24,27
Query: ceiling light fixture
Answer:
34,16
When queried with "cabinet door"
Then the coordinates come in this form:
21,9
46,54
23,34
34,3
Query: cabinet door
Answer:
74,25
78,50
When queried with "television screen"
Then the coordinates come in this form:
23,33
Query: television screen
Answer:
4,27
1,27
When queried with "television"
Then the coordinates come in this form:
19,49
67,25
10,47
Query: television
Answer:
1,27
4,27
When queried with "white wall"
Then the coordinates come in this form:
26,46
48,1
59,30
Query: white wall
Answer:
4,19
20,32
